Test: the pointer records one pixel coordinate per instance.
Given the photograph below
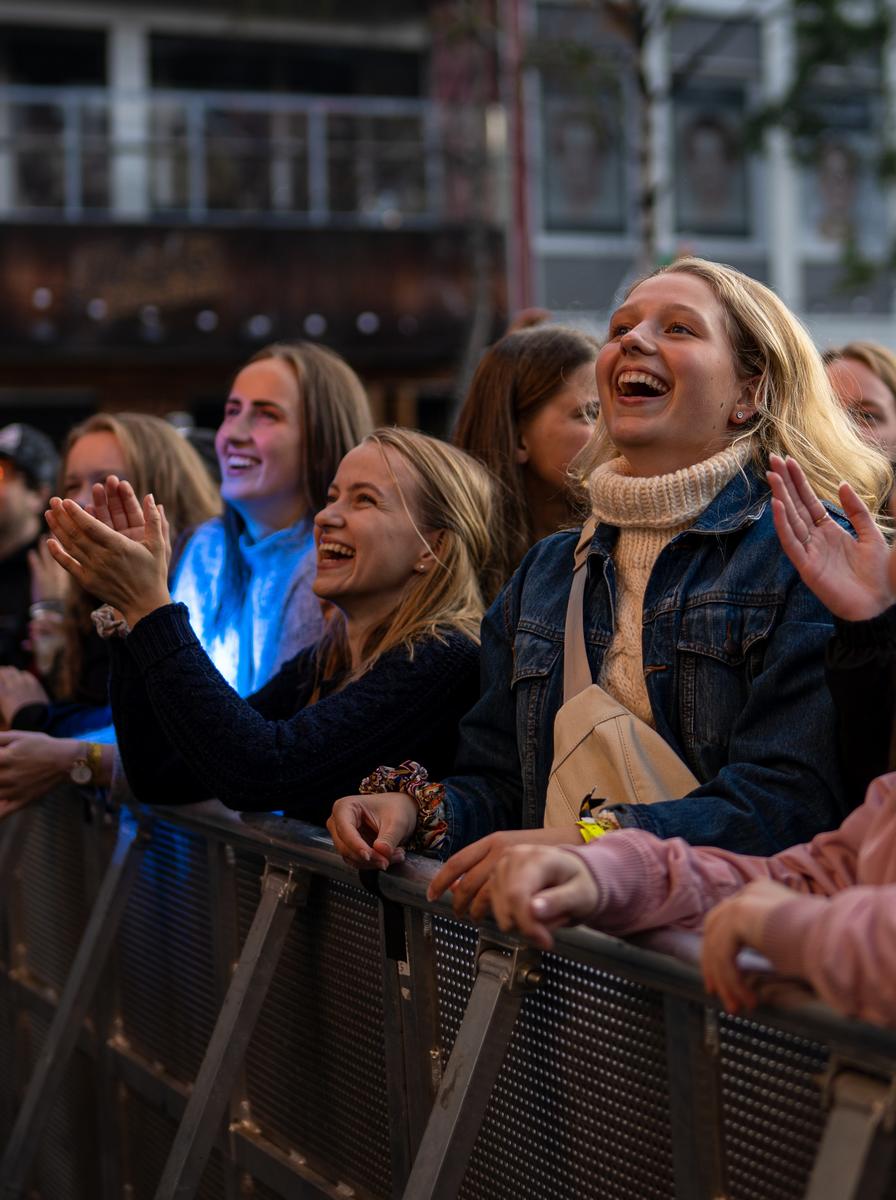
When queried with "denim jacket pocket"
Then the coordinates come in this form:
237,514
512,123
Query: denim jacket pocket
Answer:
535,654
720,649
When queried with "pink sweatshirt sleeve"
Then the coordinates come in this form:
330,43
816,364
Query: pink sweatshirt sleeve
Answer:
845,947
645,882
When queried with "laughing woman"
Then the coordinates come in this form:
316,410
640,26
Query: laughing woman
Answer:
400,544
688,616
293,411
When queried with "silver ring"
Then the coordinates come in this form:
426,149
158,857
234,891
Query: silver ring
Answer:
807,539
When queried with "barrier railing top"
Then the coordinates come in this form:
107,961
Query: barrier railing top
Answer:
666,959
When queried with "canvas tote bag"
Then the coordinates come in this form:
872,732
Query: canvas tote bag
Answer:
600,747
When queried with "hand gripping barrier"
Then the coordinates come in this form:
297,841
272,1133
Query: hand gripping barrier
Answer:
195,1003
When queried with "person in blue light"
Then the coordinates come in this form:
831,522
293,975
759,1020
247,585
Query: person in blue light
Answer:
400,545
292,413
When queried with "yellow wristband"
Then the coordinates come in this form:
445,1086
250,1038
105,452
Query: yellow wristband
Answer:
589,829
94,759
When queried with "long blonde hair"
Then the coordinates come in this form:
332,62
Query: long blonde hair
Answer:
454,498
796,411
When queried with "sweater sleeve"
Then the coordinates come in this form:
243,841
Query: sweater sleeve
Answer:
302,762
645,882
845,947
155,772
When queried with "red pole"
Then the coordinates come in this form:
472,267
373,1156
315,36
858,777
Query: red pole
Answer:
519,248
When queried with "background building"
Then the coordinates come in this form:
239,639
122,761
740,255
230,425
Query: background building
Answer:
180,184
811,216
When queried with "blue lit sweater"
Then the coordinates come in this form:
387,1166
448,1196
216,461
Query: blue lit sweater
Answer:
185,735
279,614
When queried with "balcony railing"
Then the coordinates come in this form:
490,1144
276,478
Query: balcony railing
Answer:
96,154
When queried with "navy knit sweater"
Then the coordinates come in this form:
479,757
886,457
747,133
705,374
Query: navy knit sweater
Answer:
185,735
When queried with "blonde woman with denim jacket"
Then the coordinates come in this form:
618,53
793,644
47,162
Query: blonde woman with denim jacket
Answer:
694,618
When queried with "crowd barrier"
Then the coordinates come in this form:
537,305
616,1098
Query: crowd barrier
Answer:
195,1003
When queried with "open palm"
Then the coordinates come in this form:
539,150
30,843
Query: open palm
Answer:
855,577
115,504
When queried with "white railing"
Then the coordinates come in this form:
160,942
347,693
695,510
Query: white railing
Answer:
95,154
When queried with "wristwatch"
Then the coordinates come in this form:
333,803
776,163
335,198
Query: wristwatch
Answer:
86,767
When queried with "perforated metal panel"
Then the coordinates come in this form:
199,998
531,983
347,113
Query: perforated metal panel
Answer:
587,1055
8,1082
316,1068
148,1138
168,998
68,1158
260,1191
54,901
773,1117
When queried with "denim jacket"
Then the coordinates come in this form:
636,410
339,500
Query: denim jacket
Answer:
733,652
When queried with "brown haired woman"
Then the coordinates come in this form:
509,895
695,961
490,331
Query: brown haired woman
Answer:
293,412
528,413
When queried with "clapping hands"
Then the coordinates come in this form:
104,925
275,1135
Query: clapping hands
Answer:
120,554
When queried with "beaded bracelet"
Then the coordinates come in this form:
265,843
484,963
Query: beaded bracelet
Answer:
413,779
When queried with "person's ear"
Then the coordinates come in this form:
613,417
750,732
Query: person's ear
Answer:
522,450
745,408
430,556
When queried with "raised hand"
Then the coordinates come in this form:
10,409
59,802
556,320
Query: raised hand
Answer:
855,577
49,583
130,575
115,504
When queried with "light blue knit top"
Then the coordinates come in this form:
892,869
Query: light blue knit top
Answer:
280,613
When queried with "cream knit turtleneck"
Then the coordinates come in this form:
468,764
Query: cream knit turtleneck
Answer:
649,512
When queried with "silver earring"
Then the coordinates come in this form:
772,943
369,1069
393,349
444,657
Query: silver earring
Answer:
420,567
740,415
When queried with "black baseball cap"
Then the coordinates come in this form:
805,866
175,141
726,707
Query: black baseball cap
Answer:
31,451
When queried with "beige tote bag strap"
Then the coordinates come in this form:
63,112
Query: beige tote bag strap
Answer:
576,670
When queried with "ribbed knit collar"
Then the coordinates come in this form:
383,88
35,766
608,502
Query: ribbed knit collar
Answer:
661,501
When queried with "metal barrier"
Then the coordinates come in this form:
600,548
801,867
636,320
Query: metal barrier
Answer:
198,1003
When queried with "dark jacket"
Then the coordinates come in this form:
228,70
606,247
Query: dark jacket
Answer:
185,735
861,673
733,650
15,600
